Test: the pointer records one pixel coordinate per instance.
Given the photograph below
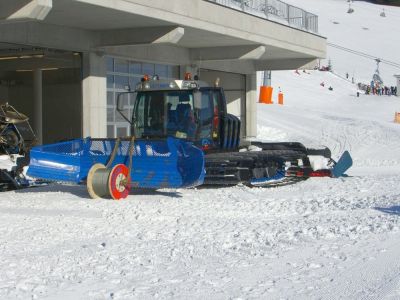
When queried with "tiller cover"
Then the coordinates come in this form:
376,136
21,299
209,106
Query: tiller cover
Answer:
170,163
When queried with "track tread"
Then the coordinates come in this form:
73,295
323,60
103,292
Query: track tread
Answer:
229,168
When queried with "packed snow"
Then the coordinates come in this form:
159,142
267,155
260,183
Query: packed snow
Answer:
7,162
322,238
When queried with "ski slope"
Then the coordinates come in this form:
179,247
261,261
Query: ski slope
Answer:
318,239
362,31
315,115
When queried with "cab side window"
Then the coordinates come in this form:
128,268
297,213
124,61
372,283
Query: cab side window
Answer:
206,113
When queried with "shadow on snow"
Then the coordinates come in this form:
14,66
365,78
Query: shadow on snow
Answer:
393,210
81,191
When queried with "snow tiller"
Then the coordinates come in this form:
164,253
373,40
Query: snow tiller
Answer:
111,167
184,137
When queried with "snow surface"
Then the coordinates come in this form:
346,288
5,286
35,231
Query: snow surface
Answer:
318,239
6,163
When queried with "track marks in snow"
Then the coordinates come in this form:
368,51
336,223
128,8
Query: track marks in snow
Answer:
373,277
372,139
227,242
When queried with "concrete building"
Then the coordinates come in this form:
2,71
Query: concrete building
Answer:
62,62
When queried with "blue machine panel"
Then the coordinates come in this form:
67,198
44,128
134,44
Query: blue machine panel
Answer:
169,163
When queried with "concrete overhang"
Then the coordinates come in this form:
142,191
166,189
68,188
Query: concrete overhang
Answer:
23,10
24,60
170,32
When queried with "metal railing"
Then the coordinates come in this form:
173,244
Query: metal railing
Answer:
275,10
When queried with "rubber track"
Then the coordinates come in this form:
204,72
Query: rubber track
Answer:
231,168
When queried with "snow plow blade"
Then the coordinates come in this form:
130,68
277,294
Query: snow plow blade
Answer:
343,164
339,168
336,170
170,163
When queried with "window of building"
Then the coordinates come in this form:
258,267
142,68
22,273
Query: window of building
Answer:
135,68
121,82
110,81
110,98
121,66
148,69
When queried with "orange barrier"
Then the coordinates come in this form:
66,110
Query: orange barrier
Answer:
265,95
397,117
280,98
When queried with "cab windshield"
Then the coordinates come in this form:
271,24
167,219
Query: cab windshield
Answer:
185,114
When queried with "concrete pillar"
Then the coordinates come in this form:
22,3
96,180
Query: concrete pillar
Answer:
398,84
38,105
94,96
251,105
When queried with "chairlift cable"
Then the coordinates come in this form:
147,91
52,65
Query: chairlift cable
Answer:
365,55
